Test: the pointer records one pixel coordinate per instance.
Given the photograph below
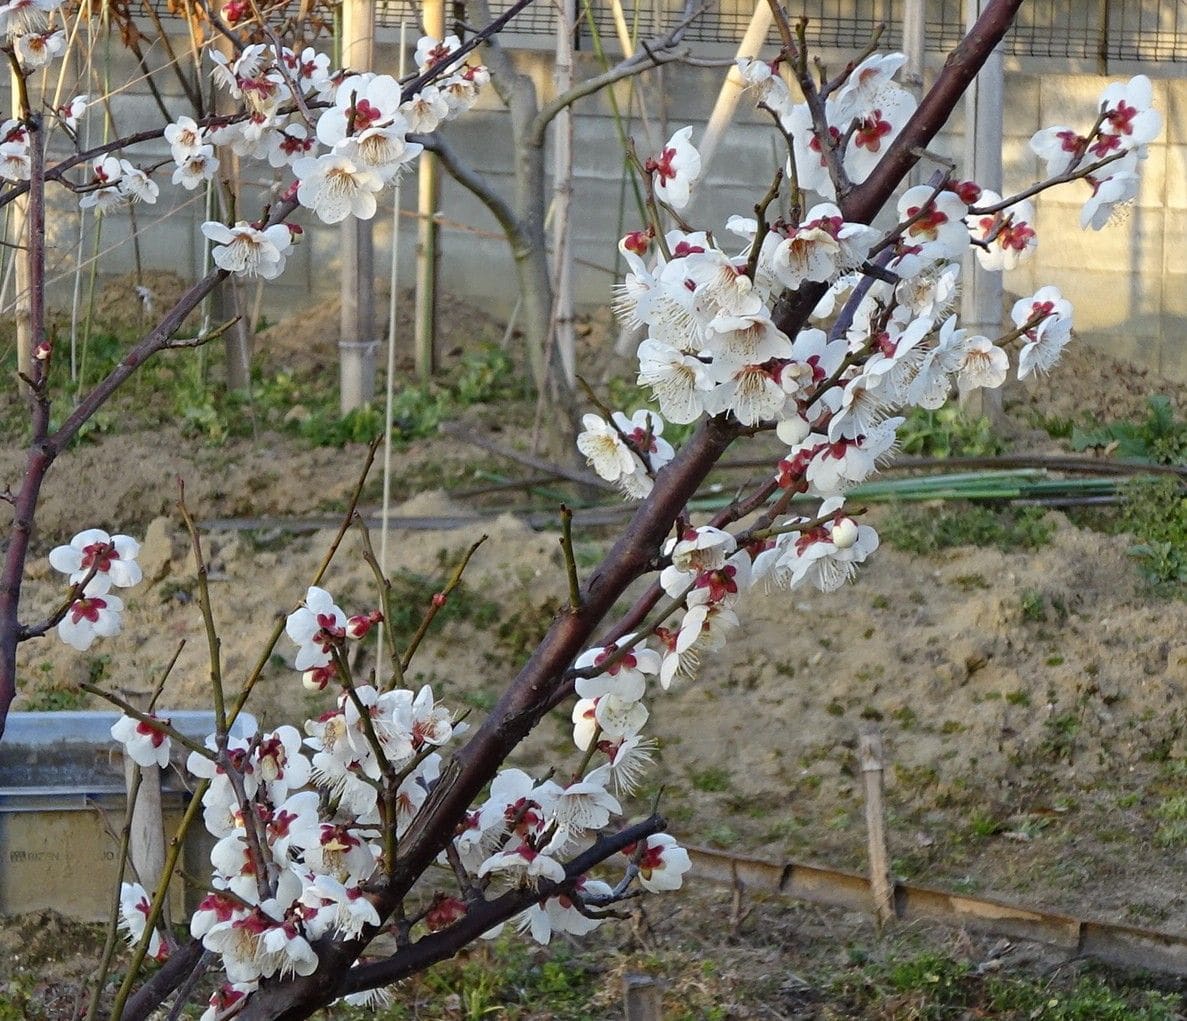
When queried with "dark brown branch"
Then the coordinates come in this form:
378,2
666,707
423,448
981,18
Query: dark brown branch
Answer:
440,946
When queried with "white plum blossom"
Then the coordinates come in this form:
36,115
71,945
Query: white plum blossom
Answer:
137,185
316,627
769,88
937,231
14,161
1129,118
431,52
143,743
110,559
185,137
1045,341
1116,185
605,449
335,187
821,247
679,381
826,555
425,111
36,49
134,912
91,617
676,169
21,17
523,866
662,863
196,169
558,913
1008,234
249,250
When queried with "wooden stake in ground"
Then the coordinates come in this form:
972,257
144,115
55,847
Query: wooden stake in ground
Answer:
641,999
146,843
870,752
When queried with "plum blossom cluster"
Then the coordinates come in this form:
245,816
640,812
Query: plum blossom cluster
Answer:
306,825
343,137
94,562
882,339
336,139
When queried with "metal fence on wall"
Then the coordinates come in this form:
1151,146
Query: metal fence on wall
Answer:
1094,30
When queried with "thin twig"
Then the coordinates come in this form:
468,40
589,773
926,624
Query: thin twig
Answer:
435,604
213,642
566,541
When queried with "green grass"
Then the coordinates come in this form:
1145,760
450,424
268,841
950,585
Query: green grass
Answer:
933,986
924,530
1155,512
179,388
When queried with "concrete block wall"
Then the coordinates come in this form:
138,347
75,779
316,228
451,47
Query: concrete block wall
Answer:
1128,282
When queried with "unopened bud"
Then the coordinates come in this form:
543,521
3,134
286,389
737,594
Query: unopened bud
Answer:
637,241
234,11
439,599
359,625
844,533
42,351
968,192
317,678
444,912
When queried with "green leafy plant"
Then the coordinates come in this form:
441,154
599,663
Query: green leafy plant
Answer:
1159,438
947,433
1155,512
926,530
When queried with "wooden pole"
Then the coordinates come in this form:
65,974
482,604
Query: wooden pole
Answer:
146,837
356,329
733,86
428,195
870,753
915,49
981,296
641,999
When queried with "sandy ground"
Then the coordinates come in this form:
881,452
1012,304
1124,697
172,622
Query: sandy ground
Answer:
1028,752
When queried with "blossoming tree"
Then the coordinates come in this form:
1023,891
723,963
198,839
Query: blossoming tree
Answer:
815,325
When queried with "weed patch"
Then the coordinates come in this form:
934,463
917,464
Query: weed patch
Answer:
927,530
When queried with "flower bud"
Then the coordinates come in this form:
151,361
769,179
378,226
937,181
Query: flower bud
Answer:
844,533
439,599
358,626
42,351
317,678
234,11
444,912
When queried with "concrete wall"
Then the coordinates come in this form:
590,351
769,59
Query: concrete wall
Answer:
1127,282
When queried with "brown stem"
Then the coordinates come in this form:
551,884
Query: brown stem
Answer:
213,642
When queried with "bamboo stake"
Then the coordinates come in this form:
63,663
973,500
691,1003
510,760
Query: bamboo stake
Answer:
428,194
562,196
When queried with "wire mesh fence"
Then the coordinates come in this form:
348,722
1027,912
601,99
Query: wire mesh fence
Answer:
1094,30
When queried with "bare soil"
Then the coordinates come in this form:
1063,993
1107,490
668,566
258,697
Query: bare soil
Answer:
1032,703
